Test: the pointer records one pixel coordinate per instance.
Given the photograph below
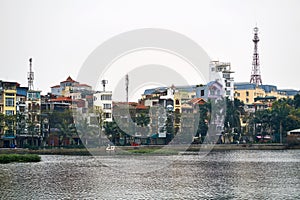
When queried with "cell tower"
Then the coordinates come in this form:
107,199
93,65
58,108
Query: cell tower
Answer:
30,76
255,74
126,86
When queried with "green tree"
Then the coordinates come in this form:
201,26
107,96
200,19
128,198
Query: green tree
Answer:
67,131
280,111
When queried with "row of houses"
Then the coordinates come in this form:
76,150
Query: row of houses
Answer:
24,112
31,108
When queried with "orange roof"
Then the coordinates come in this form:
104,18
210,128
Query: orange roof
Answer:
141,106
197,101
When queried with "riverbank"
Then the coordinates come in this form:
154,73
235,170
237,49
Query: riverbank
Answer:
8,158
151,149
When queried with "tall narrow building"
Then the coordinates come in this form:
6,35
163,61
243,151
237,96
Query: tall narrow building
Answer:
255,73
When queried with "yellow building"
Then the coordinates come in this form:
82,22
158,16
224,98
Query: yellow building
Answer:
250,94
8,97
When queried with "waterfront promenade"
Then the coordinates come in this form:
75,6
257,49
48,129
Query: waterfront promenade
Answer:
159,149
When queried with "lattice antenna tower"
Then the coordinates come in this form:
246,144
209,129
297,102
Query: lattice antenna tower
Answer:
30,76
255,73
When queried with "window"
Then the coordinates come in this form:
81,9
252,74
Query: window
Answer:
228,84
228,92
106,106
107,115
225,75
212,69
10,94
10,102
105,97
9,112
29,95
177,102
202,93
247,93
247,100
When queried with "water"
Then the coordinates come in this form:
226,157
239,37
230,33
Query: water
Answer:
219,175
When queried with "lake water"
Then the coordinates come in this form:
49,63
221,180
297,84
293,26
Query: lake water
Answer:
219,175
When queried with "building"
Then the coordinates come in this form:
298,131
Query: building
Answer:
103,102
221,72
8,99
212,90
33,114
260,96
76,94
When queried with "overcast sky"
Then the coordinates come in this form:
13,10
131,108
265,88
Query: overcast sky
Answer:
60,34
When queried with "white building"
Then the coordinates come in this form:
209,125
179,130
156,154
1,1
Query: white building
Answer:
103,101
221,72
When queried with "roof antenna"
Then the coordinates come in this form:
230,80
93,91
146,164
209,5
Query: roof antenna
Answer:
30,76
104,82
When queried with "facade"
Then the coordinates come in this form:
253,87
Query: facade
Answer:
103,101
221,72
212,90
8,98
72,92
55,90
261,96
33,136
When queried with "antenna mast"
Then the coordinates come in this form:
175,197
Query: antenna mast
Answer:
126,86
104,82
255,74
30,76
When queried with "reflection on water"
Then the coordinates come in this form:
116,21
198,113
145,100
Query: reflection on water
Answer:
219,175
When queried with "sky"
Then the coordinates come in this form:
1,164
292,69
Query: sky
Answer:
60,34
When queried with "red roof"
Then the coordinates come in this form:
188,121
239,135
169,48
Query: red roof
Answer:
61,99
197,101
55,86
69,79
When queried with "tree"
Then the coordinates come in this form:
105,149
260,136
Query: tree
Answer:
67,130
297,101
204,118
280,111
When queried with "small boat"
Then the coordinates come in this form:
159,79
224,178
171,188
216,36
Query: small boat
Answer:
110,148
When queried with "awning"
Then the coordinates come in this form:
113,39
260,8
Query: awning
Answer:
10,137
154,136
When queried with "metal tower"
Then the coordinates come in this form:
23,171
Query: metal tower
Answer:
255,74
30,76
104,82
126,86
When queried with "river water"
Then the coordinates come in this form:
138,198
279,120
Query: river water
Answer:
218,175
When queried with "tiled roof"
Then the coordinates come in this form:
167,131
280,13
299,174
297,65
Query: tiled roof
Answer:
197,101
69,79
61,99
